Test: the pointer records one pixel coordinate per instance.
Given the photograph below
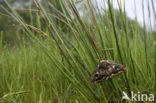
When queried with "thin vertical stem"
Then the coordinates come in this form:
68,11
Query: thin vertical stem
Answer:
117,43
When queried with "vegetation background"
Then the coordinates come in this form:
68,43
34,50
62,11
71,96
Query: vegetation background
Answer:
49,49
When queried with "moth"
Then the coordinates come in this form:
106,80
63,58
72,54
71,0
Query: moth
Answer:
105,70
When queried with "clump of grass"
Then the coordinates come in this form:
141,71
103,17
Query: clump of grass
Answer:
56,65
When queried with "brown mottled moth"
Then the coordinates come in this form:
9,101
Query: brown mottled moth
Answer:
105,70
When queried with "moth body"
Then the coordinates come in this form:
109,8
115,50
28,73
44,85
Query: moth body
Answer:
105,70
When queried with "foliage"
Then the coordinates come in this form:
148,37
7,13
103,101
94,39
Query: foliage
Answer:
56,65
